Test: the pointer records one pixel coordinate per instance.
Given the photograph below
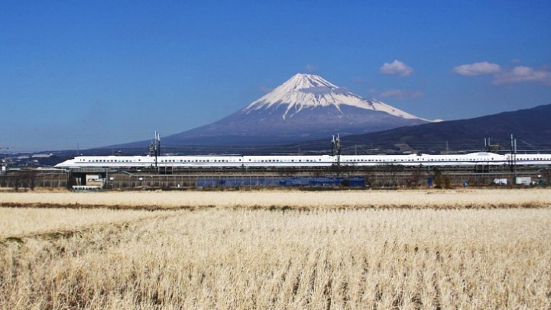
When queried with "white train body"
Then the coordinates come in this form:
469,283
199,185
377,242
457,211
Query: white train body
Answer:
472,159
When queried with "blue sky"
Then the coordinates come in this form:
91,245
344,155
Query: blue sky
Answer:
96,73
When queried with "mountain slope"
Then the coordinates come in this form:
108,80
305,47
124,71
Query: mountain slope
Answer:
303,108
531,127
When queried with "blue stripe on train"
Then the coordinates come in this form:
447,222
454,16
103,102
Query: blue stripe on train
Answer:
280,181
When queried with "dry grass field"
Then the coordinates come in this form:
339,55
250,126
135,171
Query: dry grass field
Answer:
316,257
477,198
23,222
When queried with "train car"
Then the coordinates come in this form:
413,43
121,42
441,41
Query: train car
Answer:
236,161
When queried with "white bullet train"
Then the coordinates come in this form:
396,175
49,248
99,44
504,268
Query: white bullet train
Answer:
212,161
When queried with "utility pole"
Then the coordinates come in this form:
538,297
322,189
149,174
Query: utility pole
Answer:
338,149
155,149
333,146
514,158
3,167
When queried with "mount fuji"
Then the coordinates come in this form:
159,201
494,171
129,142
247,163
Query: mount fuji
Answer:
305,107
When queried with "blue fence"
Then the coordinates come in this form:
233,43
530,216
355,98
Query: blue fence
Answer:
280,181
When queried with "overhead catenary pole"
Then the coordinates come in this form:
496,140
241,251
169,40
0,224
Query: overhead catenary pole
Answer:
514,158
333,146
1,166
155,149
4,161
338,149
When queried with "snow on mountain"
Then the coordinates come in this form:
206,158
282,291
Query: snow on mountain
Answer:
303,108
309,90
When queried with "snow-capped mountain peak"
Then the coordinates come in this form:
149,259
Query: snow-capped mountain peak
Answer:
313,91
302,81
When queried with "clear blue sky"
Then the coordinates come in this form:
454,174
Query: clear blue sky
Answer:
103,72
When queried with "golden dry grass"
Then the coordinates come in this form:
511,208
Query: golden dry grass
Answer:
259,259
294,199
19,222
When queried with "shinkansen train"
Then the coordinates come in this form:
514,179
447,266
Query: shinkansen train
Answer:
472,159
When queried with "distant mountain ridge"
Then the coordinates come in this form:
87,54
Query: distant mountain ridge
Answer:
303,108
531,127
